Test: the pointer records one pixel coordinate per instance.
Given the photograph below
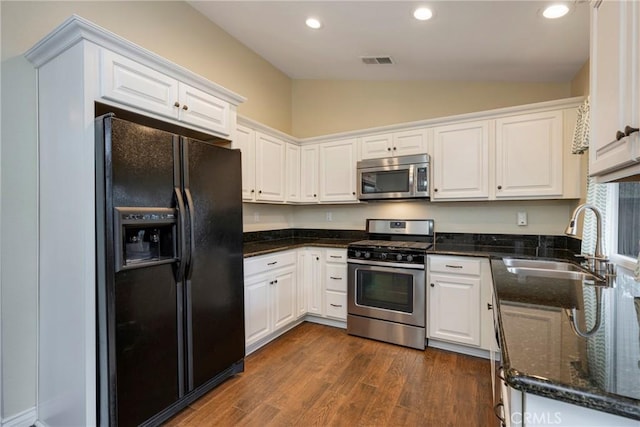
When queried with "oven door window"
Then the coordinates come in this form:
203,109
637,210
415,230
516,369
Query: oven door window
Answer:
386,290
393,181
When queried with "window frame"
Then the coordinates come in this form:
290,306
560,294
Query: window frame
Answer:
611,232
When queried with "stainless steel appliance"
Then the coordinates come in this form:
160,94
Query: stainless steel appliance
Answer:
170,270
405,177
386,293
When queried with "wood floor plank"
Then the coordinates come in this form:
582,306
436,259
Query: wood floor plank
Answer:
316,375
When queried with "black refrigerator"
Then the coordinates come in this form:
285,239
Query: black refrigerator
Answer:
170,298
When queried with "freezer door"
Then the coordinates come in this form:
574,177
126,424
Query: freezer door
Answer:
140,309
214,287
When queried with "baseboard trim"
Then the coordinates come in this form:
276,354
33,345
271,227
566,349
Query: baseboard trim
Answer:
23,419
458,348
326,321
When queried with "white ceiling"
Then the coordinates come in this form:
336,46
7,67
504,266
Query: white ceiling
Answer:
465,40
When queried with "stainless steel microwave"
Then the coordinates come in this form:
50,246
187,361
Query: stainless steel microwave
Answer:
405,177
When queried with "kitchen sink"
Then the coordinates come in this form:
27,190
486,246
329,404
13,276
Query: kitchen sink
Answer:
541,265
547,269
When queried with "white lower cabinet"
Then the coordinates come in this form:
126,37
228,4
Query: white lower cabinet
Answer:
520,409
312,273
335,283
270,289
459,301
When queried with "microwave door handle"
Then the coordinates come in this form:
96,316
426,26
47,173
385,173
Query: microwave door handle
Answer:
413,183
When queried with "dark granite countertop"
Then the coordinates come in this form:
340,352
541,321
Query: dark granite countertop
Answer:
542,355
266,242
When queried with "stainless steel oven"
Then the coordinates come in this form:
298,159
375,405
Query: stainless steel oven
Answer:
386,294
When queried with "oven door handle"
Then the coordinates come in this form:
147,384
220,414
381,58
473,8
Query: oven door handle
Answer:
386,264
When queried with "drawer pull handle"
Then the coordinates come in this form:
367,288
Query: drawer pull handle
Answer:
336,278
452,266
272,263
336,305
335,256
499,407
489,306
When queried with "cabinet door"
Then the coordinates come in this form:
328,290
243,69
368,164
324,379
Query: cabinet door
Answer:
283,288
309,173
338,171
314,282
256,311
293,173
134,84
454,308
614,86
270,168
301,283
204,110
377,146
529,155
244,140
461,161
410,142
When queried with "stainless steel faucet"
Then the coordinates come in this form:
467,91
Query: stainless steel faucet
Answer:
598,262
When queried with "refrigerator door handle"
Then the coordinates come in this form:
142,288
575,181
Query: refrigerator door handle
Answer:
192,241
182,265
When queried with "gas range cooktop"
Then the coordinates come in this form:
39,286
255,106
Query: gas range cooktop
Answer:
392,245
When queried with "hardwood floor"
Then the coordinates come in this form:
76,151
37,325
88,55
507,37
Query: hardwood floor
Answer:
317,375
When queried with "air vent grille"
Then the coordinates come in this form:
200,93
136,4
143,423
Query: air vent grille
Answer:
377,60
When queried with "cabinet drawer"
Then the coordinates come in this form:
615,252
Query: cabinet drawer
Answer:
336,305
336,278
266,263
337,255
456,265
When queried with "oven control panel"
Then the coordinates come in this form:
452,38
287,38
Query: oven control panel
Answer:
378,254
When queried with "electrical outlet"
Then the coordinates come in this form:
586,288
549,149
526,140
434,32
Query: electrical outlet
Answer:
522,218
329,217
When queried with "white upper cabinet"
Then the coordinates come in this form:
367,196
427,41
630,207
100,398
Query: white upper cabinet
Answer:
309,183
245,141
403,143
130,83
461,161
338,171
270,168
293,173
529,155
615,90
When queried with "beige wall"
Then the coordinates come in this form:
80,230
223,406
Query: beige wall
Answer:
173,30
544,217
580,82
323,107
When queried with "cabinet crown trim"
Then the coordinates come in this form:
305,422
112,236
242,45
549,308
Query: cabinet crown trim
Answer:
76,29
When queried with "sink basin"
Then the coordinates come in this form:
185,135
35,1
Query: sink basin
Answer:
541,265
547,269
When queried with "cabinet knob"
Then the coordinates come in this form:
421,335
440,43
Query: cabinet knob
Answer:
354,193
499,187
253,191
620,135
394,148
432,285
275,281
435,190
388,149
489,306
185,108
259,191
315,195
628,130
317,258
176,104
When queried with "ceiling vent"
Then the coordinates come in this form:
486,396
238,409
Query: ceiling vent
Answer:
377,60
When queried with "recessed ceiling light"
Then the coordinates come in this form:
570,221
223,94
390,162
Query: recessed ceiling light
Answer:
422,13
555,11
313,23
